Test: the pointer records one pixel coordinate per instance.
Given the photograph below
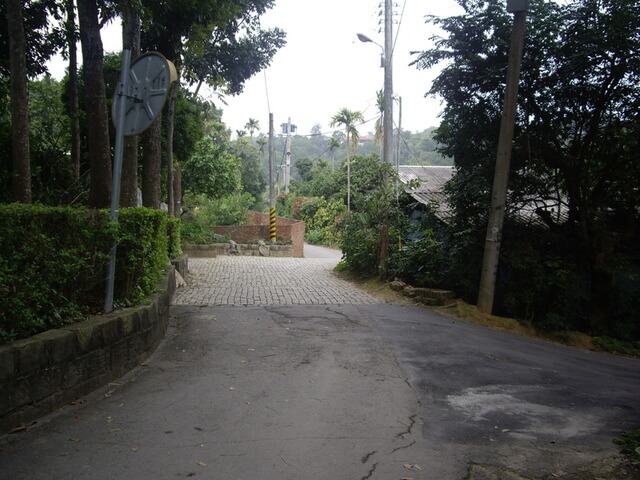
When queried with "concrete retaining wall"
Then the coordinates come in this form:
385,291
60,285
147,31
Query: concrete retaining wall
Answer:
243,249
38,375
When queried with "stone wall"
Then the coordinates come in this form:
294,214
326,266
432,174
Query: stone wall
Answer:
41,374
242,249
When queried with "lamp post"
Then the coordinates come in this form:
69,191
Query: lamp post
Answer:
387,116
387,120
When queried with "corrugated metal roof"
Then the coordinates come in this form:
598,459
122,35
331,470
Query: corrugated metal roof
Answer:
431,178
430,192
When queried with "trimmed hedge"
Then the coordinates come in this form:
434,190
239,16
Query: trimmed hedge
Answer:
174,236
53,263
141,254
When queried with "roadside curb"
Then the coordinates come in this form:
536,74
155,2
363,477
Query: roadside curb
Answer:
47,371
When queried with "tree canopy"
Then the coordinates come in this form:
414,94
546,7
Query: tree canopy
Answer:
577,130
219,42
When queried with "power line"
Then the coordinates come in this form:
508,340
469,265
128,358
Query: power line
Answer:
266,89
393,49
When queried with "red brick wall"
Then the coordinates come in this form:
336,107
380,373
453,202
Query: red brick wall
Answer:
258,229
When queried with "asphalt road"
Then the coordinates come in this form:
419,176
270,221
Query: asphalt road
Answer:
349,388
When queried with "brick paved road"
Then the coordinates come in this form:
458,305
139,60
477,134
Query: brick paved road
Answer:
230,280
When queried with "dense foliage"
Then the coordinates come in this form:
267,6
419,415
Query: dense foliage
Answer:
575,151
212,171
202,212
218,42
569,256
54,261
52,266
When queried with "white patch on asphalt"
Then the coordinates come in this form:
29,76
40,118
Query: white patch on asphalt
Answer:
519,417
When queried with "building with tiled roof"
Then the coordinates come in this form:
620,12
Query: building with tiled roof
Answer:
426,184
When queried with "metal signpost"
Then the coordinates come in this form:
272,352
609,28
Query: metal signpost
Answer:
138,100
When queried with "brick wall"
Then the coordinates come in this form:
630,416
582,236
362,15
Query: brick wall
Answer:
258,229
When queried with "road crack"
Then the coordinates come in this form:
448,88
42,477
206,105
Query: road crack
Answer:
403,447
412,420
365,458
370,474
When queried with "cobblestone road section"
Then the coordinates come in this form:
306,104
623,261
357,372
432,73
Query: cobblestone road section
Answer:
229,280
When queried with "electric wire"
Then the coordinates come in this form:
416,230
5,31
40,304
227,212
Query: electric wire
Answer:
266,90
395,40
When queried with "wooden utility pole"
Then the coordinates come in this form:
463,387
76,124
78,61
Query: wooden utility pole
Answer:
501,176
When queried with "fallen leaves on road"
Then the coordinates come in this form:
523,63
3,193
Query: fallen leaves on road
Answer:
201,463
410,466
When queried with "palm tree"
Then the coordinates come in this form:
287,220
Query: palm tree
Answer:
348,120
334,144
252,125
380,121
261,141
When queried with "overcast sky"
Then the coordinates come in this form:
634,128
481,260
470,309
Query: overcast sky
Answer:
324,67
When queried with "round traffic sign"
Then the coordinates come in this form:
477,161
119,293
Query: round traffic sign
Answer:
143,93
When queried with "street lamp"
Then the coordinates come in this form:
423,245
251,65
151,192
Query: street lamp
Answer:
363,38
387,118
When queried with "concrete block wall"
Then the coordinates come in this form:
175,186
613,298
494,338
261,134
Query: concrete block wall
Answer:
41,374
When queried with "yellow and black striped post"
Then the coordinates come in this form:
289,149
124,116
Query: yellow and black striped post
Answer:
272,224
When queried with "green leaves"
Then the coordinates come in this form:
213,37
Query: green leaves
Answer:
348,119
54,262
212,171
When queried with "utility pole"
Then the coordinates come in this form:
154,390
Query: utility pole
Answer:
272,182
399,136
397,149
501,176
287,129
387,120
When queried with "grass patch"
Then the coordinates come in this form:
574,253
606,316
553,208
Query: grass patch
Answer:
629,444
614,345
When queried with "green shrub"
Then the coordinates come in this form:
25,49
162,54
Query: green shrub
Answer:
359,244
420,262
142,253
629,444
197,234
54,261
174,249
201,213
614,345
52,266
315,237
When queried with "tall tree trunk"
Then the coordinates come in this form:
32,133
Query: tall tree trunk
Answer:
170,129
130,40
96,105
74,102
151,164
19,103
